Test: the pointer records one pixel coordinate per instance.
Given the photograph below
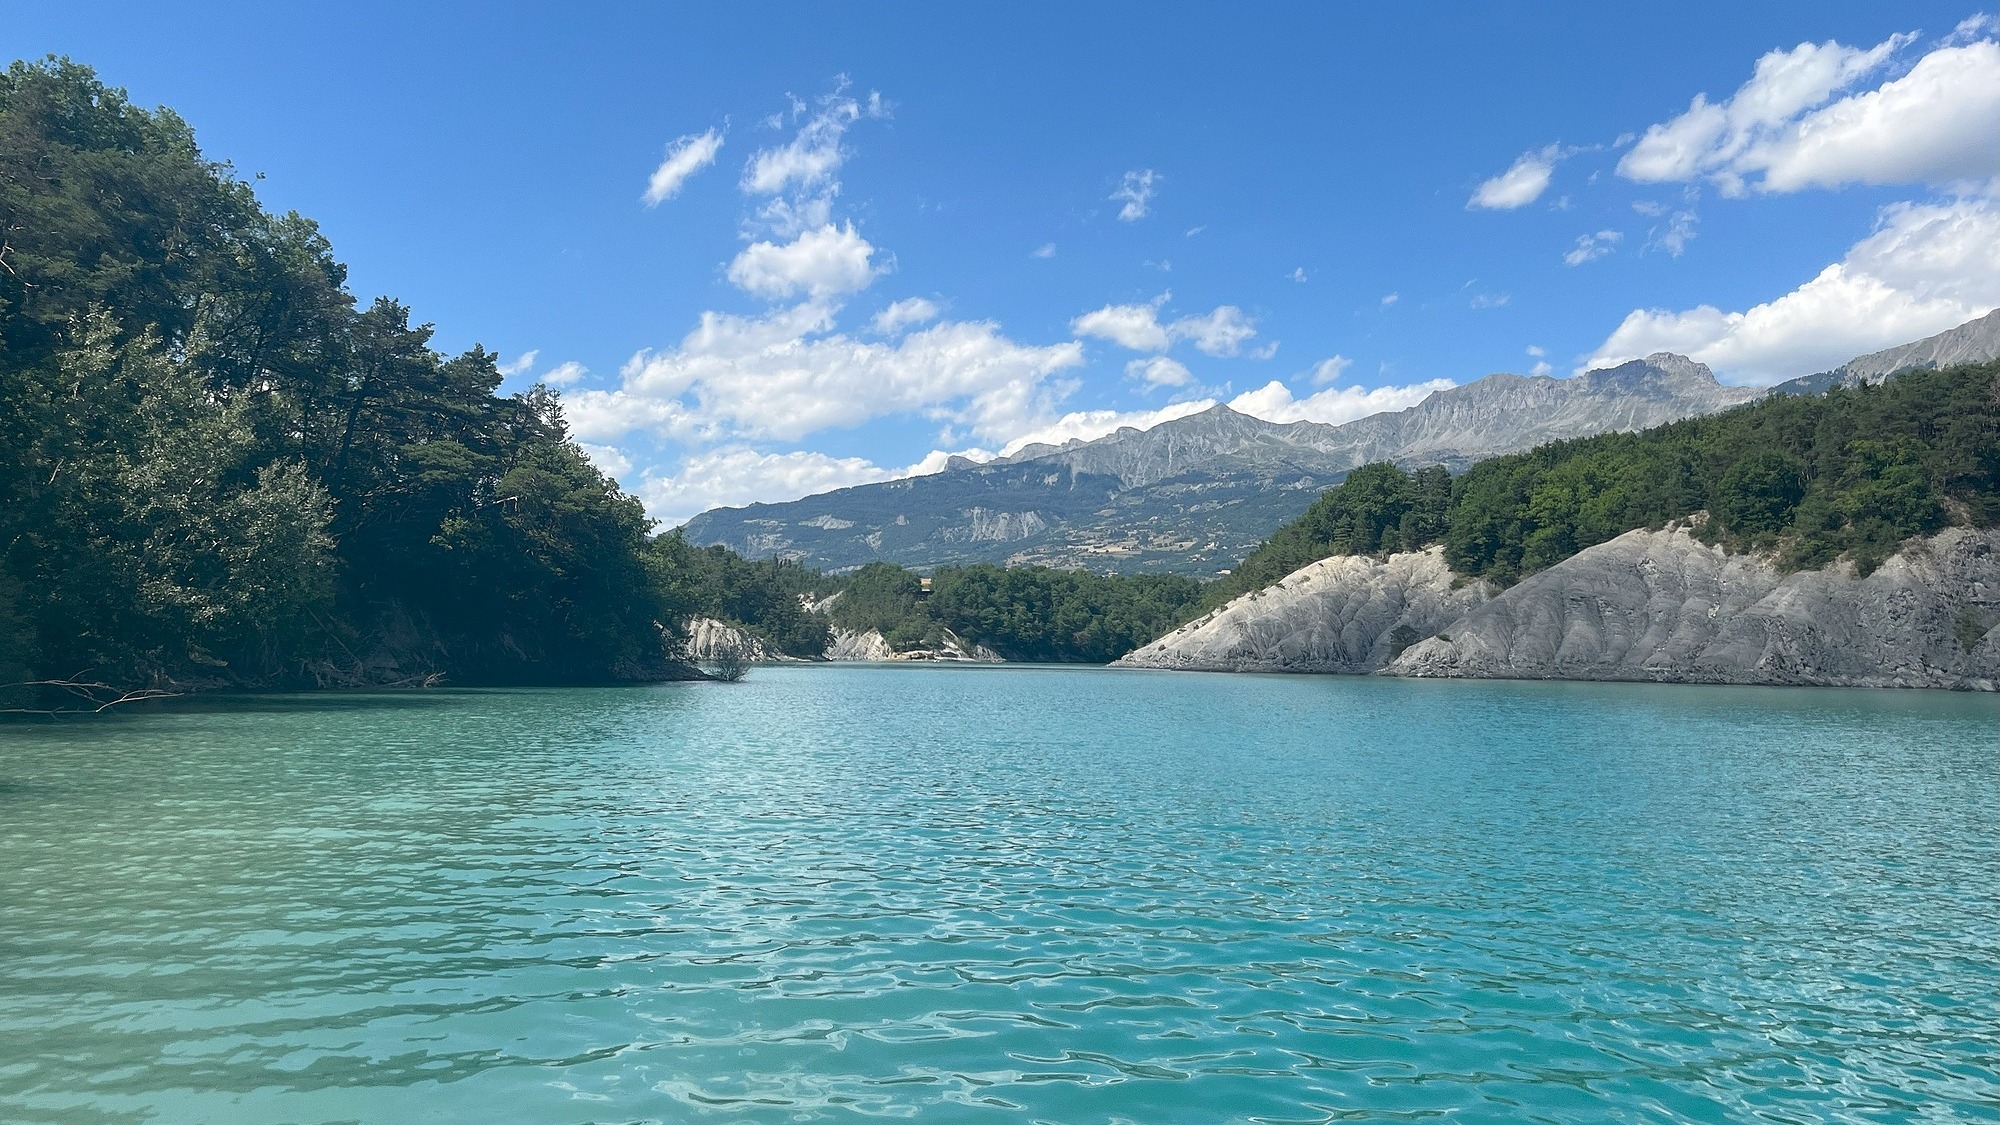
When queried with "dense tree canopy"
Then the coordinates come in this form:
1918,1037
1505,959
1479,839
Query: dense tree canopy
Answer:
215,468
1022,613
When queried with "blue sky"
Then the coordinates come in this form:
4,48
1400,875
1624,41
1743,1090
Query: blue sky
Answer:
923,230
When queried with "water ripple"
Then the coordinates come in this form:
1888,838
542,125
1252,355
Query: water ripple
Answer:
1008,894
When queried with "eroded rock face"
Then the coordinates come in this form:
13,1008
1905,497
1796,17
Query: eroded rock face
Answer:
850,645
1343,614
1663,606
871,646
709,639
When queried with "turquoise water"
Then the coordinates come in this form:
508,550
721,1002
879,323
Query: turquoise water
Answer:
1008,894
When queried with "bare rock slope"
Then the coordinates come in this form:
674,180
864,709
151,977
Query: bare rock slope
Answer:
1663,606
1343,614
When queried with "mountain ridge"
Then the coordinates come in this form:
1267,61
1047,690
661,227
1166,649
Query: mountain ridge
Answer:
1193,494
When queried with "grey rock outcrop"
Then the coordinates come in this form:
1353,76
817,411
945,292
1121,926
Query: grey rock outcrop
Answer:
1663,606
870,646
1342,614
709,639
867,645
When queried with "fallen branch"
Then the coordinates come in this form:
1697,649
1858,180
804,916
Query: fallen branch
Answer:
97,697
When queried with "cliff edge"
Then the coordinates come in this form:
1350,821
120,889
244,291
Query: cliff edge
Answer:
1349,613
1663,606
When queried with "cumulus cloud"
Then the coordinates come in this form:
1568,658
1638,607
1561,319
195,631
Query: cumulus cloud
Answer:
1088,425
1135,191
1491,300
1590,247
1159,371
1784,130
1390,299
564,374
788,373
824,262
685,156
1926,268
1136,327
1220,332
1936,124
1045,250
902,314
610,460
1329,369
1521,184
735,475
1274,402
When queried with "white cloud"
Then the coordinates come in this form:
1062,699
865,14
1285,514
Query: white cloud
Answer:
902,314
1390,299
1675,235
1521,184
686,156
1192,231
1541,361
1934,125
801,176
1221,332
610,460
1045,250
735,475
1159,371
1274,402
824,262
1778,132
1298,274
1491,300
565,373
1926,268
1590,247
814,154
1136,327
1329,369
1088,425
1135,191
523,366
788,373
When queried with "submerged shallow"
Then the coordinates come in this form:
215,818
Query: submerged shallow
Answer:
1008,894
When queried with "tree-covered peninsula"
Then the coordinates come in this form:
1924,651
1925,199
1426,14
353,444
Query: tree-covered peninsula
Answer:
1812,478
218,468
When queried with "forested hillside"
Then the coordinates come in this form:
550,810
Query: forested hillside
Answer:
1023,613
1851,473
216,468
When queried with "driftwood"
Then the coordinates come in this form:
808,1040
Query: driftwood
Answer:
93,697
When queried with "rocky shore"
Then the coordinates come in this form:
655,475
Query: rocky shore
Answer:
1649,605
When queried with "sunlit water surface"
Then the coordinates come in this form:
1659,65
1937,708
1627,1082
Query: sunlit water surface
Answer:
1008,894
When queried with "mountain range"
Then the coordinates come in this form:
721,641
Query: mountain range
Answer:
1194,495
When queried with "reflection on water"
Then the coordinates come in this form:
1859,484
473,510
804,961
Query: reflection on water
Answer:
1007,894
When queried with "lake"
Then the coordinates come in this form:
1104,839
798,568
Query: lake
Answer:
1007,894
